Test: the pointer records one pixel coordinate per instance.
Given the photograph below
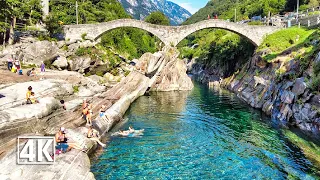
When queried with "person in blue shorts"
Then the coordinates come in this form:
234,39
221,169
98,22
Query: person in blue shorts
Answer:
62,144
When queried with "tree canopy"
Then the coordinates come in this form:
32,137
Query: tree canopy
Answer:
158,17
225,9
89,11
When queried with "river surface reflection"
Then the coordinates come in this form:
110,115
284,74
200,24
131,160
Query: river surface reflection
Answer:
201,134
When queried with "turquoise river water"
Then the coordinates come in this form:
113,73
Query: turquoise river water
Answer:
201,134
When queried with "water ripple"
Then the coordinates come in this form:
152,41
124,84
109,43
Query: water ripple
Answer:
200,135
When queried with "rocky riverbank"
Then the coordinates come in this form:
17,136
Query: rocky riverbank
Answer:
278,88
161,71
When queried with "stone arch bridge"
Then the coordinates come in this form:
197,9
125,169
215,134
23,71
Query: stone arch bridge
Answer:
169,35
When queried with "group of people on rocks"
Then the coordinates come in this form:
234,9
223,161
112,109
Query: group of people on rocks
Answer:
62,140
15,67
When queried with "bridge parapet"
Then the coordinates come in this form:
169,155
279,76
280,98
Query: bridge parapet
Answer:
169,35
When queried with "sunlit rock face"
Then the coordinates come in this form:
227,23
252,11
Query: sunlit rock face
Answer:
141,9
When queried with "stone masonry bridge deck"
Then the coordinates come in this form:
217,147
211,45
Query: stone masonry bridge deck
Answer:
169,35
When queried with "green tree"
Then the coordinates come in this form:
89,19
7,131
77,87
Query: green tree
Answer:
12,11
53,25
158,17
90,11
313,3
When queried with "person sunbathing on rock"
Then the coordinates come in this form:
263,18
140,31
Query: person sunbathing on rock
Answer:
94,135
62,141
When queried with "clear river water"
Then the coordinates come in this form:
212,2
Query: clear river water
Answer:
201,134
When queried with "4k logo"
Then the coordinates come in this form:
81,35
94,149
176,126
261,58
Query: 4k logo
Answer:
35,150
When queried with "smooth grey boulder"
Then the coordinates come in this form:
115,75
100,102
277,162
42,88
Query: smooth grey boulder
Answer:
40,51
299,87
80,63
61,63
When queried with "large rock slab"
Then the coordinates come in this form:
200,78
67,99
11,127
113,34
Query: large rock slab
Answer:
16,94
40,51
71,165
171,74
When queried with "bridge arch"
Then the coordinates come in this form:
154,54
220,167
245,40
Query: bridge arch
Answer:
169,35
129,25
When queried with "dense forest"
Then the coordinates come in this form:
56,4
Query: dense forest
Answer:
132,42
225,9
129,42
224,50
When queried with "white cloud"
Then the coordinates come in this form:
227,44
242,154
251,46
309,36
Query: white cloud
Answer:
186,5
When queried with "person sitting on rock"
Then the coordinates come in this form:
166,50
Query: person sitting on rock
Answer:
33,98
17,64
14,68
63,105
10,63
94,135
84,104
102,111
31,72
90,114
62,141
28,95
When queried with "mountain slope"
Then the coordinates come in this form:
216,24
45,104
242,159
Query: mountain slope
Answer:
246,9
139,9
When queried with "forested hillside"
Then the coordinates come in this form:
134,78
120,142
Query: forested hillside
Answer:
223,50
129,42
225,9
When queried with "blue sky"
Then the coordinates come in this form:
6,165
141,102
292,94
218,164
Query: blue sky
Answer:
191,5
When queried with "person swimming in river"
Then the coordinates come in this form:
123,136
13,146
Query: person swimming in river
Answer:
129,133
